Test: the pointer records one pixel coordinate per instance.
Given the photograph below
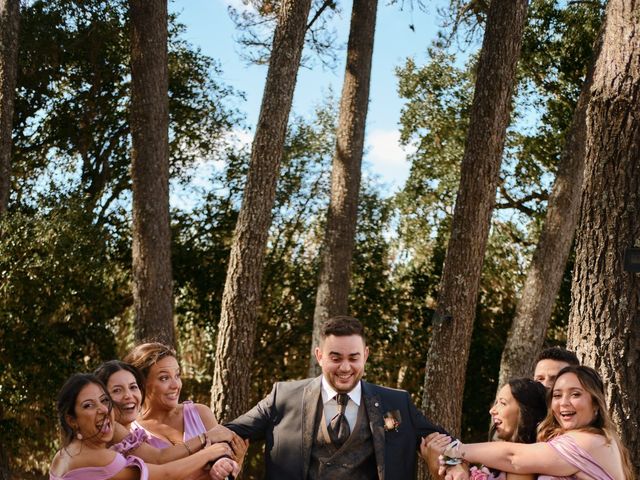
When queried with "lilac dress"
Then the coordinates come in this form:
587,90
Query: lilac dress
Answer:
572,453
103,473
193,427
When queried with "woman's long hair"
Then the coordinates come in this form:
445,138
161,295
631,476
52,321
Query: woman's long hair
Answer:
66,403
601,424
532,403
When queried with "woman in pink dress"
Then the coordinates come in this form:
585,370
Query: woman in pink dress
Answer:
576,440
87,420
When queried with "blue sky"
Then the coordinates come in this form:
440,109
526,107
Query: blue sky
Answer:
210,28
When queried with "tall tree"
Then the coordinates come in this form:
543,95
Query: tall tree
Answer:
548,263
604,323
489,118
152,280
230,390
9,26
337,250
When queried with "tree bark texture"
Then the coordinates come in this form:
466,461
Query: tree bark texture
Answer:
604,323
230,391
489,117
537,298
337,251
9,27
152,277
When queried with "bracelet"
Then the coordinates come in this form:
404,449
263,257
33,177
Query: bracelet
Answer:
187,447
203,440
454,457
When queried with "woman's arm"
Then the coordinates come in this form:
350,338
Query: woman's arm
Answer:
206,415
191,465
520,458
519,476
151,454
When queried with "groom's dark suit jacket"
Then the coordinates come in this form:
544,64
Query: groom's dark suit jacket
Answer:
286,417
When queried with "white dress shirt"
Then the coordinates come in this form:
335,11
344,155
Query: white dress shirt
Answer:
331,406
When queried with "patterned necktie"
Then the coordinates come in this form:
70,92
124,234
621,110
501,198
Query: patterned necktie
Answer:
339,427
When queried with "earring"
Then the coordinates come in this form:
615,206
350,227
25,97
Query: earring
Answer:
79,436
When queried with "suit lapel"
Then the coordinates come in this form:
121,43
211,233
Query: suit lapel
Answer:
310,400
373,404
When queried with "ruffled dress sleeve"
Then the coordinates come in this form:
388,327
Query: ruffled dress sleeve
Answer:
133,440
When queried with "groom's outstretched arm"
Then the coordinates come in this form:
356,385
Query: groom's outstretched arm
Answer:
257,422
427,427
423,424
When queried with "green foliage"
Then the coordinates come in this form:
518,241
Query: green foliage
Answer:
60,292
374,293
556,52
433,123
74,97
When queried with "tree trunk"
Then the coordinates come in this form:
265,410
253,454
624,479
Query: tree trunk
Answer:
230,391
152,280
337,251
489,118
604,322
5,470
9,27
529,327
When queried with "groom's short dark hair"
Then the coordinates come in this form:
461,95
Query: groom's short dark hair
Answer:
342,326
558,354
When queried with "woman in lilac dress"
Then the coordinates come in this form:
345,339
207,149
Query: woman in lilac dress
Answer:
576,440
87,420
165,419
125,385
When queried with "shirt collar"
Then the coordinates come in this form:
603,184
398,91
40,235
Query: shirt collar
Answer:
328,392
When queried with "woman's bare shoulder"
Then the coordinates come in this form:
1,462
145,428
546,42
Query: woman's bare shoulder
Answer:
206,415
68,459
588,440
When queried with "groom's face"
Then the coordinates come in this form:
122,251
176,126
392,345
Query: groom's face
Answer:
342,360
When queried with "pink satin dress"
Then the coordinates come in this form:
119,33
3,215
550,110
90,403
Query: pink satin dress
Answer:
572,453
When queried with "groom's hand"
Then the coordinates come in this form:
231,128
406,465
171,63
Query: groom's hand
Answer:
430,449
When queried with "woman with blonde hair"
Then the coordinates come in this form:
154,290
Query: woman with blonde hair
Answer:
577,439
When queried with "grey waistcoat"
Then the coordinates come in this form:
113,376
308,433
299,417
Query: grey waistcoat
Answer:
355,460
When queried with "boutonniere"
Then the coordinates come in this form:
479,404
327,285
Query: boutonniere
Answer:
391,420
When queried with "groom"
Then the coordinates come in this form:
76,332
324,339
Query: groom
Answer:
337,426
